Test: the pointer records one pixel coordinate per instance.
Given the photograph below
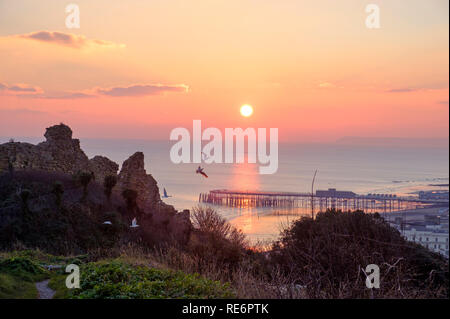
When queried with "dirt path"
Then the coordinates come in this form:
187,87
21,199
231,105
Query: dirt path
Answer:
44,291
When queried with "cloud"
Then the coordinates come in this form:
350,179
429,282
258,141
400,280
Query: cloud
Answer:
67,96
67,39
326,85
443,102
19,89
138,90
22,111
143,90
34,92
402,90
420,88
133,91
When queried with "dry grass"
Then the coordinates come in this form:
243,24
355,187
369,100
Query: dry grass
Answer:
246,283
328,256
218,251
324,258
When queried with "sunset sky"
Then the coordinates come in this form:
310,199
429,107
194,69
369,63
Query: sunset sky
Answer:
138,69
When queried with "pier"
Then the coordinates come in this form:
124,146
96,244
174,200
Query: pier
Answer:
320,201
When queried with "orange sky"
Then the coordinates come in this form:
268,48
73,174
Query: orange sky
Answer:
139,69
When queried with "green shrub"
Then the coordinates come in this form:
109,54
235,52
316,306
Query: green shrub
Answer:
23,268
12,287
119,280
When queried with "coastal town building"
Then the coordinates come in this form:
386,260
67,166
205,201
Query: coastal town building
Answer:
332,192
434,195
430,236
431,232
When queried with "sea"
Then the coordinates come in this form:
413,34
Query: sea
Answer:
363,169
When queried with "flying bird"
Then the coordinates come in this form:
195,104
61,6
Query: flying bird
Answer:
107,223
134,223
205,157
165,194
200,171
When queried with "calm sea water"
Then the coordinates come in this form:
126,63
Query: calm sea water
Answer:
361,169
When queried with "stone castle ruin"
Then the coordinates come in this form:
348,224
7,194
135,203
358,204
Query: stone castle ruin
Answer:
62,153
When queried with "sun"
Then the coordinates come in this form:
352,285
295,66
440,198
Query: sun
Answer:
246,110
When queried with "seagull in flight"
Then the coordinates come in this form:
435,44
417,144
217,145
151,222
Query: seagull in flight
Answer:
205,157
200,171
134,223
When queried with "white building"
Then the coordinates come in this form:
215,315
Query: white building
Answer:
433,237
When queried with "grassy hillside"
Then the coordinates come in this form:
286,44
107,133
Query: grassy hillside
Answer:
18,275
119,278
320,258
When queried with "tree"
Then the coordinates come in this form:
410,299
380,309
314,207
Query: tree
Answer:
11,166
85,178
109,183
130,197
24,197
58,191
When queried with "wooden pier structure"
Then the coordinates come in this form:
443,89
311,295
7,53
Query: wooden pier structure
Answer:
320,201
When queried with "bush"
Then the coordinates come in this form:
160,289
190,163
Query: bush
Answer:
58,191
25,195
130,197
23,268
214,239
328,255
208,221
12,287
108,184
119,280
84,179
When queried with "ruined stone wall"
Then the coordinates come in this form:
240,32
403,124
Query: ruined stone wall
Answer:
61,153
102,167
133,176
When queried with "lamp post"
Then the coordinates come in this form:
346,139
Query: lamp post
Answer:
312,195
